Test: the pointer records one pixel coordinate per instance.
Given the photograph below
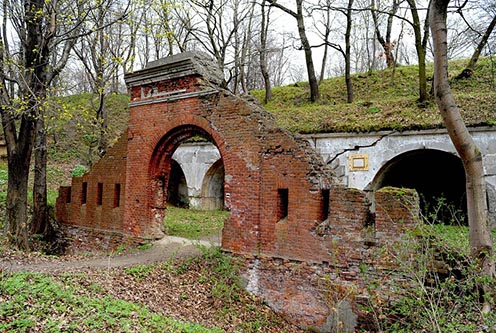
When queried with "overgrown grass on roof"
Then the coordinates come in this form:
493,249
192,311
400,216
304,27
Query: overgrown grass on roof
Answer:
382,103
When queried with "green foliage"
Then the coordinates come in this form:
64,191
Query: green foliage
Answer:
435,288
54,307
225,281
374,109
52,197
145,246
78,171
193,224
389,105
140,272
4,176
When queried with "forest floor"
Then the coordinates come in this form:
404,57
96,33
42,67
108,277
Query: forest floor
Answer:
175,277
167,248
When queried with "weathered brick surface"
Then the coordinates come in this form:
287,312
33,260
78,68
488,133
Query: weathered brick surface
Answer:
397,210
90,240
103,214
284,208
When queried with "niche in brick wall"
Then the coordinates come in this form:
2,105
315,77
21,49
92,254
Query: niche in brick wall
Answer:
99,194
324,213
282,203
84,193
117,195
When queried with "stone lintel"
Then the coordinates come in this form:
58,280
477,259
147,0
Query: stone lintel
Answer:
177,66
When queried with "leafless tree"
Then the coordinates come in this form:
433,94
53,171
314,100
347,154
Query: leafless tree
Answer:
213,28
421,33
386,42
264,32
364,48
482,37
98,53
481,245
298,15
327,7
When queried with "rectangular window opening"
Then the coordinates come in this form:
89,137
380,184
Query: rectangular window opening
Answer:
99,194
117,195
282,203
68,197
324,214
84,193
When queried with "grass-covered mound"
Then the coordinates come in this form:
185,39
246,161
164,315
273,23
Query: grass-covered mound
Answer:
383,103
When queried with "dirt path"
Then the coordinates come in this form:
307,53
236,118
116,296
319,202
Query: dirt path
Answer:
161,250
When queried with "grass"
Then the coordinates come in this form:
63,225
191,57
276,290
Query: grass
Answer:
75,127
36,302
193,224
381,104
454,237
80,302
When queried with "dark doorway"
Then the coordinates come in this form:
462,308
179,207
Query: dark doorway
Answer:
177,189
439,179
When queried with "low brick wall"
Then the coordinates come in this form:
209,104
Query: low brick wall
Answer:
81,239
326,296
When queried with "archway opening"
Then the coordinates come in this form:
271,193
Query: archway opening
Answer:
213,187
179,166
439,179
177,187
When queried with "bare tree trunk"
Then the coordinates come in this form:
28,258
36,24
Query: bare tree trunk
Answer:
326,45
420,47
324,62
16,226
101,116
265,20
347,57
247,39
385,43
467,72
39,222
312,79
481,245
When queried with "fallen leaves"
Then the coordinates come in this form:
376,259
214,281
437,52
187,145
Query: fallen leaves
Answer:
201,290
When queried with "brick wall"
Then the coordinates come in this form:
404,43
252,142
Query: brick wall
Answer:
96,200
284,207
328,295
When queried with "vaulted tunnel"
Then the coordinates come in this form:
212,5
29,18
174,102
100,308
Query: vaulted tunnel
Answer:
177,187
213,187
436,175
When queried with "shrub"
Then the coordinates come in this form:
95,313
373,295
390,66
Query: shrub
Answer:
78,170
436,287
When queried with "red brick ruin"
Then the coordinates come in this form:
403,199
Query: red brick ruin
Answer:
285,209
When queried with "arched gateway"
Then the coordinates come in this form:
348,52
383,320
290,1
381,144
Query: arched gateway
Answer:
177,98
282,199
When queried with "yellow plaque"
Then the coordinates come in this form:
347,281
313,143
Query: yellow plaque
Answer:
359,162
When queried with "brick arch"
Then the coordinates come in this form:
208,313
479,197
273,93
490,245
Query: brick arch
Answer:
159,166
169,142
